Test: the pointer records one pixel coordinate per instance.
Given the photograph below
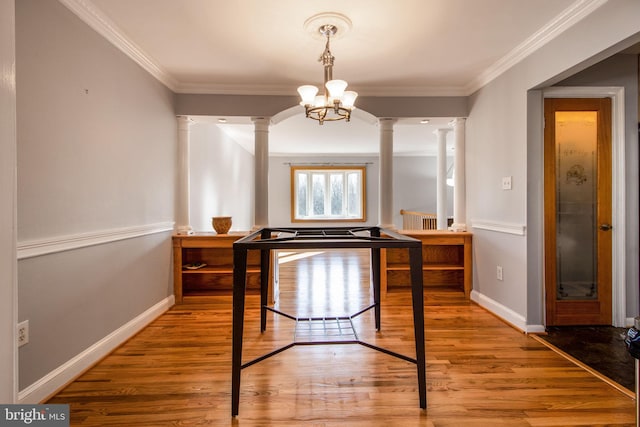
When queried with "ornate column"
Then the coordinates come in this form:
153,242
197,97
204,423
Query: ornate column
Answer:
183,225
441,179
459,190
261,171
385,199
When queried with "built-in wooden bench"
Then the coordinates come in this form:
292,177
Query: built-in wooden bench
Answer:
216,251
446,261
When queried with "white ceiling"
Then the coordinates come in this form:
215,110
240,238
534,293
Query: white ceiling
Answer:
393,48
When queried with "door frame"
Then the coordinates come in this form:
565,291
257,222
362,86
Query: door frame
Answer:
618,188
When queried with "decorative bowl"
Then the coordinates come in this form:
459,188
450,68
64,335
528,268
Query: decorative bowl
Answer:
221,224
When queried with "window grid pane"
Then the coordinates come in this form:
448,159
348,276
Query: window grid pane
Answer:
301,188
337,194
318,192
353,194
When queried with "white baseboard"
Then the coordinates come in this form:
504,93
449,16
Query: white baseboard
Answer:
513,318
500,310
535,329
61,376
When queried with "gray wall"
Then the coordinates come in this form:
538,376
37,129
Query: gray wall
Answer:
221,179
500,140
496,147
96,152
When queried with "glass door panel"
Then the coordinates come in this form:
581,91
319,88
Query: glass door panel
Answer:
576,198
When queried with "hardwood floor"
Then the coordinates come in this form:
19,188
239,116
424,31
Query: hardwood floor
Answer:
480,371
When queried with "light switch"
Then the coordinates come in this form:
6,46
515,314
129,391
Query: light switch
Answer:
506,183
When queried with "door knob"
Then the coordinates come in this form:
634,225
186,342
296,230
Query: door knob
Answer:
605,227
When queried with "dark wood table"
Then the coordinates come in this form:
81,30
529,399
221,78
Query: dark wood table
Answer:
375,238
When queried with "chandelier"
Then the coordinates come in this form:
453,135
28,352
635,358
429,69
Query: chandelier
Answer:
335,103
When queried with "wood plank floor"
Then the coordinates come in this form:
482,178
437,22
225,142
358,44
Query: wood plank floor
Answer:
480,371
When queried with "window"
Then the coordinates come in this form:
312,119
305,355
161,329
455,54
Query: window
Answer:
327,193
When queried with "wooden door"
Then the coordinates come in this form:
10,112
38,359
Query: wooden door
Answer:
577,188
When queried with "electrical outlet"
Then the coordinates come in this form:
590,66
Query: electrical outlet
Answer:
506,183
499,272
23,333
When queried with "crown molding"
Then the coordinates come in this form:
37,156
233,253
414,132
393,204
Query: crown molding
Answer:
217,89
98,21
409,91
222,89
568,18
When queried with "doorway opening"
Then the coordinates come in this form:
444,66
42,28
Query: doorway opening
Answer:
616,200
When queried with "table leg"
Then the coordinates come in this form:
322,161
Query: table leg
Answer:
375,273
417,294
264,287
239,288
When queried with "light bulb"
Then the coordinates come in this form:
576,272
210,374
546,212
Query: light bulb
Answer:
336,88
307,93
349,99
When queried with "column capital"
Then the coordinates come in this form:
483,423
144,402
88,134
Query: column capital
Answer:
387,122
457,121
441,131
261,123
184,122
